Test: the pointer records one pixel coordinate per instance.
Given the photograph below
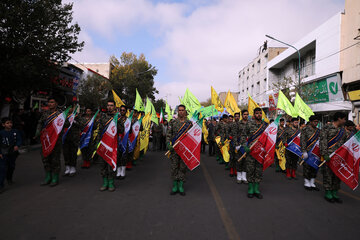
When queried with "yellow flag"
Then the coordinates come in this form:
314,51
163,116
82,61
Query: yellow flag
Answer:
252,105
280,153
117,99
205,132
224,148
137,149
215,100
230,104
145,133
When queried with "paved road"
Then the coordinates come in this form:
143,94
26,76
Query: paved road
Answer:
215,207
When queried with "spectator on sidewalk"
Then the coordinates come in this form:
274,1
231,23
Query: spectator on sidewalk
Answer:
10,141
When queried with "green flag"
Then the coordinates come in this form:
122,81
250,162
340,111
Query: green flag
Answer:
302,109
284,104
168,112
139,105
190,101
208,111
151,109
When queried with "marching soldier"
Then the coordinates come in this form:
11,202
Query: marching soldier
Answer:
122,156
279,137
51,162
291,158
71,144
87,152
332,137
106,171
222,131
178,167
254,169
239,132
308,138
233,134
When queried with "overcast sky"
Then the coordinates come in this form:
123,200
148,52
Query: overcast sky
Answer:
194,43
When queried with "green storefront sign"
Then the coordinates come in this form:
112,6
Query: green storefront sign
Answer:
324,90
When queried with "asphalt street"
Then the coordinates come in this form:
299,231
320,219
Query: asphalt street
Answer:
215,206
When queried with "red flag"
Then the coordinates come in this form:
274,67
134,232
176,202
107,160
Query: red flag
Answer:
344,161
188,147
108,145
263,150
50,134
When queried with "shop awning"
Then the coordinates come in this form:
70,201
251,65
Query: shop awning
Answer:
331,106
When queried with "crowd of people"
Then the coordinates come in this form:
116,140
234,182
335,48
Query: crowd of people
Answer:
240,131
248,170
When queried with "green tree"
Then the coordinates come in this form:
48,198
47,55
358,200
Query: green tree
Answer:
94,91
284,85
132,72
36,36
158,104
206,103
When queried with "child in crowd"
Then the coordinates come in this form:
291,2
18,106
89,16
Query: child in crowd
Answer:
10,141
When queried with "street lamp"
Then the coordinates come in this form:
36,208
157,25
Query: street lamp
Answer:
297,52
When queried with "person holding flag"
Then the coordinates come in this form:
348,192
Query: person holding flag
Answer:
106,170
233,136
254,169
122,154
71,140
88,122
222,132
332,137
309,137
237,133
177,127
279,138
135,128
291,132
50,128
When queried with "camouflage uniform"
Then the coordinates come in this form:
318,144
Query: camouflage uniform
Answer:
87,152
279,137
308,131
122,158
291,158
178,167
254,169
71,142
156,133
238,134
105,169
211,138
330,180
131,154
51,162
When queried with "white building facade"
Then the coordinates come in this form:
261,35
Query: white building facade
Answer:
252,79
320,72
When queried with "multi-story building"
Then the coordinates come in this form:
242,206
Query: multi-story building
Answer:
320,72
350,54
253,77
102,69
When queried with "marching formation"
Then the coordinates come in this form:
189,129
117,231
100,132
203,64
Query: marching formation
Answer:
245,141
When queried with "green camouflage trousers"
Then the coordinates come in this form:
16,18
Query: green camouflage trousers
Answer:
254,170
70,153
178,167
52,162
232,161
106,170
291,160
308,171
240,166
330,180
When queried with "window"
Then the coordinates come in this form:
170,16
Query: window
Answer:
312,63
